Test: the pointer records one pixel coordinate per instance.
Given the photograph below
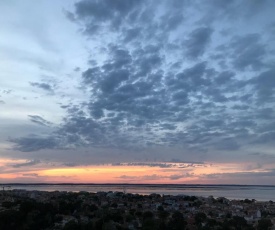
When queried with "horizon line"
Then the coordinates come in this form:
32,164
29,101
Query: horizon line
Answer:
138,184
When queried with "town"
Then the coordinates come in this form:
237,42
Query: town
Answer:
33,210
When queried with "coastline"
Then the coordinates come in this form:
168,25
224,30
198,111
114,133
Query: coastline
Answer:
131,211
257,192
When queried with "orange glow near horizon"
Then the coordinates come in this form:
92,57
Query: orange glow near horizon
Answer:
16,171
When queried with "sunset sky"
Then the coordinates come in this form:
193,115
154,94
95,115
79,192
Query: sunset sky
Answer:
137,91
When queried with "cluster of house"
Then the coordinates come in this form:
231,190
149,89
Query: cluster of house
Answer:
215,208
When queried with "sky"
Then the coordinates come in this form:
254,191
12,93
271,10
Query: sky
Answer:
137,91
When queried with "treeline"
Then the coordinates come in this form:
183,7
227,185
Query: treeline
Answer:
30,214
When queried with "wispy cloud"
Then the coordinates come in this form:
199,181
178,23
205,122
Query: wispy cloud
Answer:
161,164
44,86
157,177
27,164
39,120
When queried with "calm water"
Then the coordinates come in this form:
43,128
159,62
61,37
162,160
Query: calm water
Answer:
263,193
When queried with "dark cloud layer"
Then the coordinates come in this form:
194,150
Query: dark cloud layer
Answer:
162,77
44,86
34,143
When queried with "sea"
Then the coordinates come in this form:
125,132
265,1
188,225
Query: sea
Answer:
257,192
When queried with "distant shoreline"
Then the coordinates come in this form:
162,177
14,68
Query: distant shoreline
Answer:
257,192
131,184
131,193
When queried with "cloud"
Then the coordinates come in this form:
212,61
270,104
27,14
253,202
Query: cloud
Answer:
250,174
180,176
70,164
161,164
145,177
30,175
104,10
172,177
26,164
264,84
248,52
268,137
44,86
227,144
265,114
172,75
39,120
7,91
197,42
34,143
224,77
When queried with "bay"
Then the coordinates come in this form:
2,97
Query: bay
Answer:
257,192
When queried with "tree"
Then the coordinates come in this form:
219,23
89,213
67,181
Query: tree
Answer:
147,215
149,222
200,217
177,222
109,226
11,219
129,218
93,207
264,224
163,215
211,224
238,222
72,225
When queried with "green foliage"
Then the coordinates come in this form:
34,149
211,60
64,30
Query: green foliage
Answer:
238,222
93,207
8,204
109,226
11,219
98,224
27,206
200,217
138,213
129,218
163,215
197,203
116,216
72,225
34,215
160,208
211,224
147,215
114,205
149,224
247,201
177,222
264,224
